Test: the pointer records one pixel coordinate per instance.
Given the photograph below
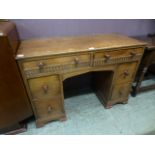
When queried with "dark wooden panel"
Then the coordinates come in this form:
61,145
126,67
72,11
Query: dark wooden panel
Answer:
14,103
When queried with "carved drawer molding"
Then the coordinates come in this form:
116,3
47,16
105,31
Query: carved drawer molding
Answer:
116,60
55,69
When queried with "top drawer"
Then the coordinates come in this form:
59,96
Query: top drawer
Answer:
117,56
56,64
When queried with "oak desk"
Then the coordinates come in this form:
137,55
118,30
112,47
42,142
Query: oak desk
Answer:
46,63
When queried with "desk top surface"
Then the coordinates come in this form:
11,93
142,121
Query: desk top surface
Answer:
61,45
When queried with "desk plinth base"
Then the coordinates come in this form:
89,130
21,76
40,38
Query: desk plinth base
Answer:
42,122
109,104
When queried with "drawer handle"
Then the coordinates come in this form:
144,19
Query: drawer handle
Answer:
41,66
107,57
49,109
45,89
133,54
76,60
126,73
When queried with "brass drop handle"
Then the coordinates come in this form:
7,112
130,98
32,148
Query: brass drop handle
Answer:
41,66
107,57
49,109
76,60
126,73
45,89
133,54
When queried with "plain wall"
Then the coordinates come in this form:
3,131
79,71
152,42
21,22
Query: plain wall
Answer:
47,28
41,28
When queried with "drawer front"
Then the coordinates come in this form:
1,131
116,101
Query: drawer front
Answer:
125,72
114,57
46,95
46,108
56,65
121,92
